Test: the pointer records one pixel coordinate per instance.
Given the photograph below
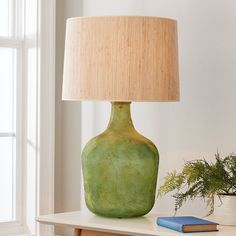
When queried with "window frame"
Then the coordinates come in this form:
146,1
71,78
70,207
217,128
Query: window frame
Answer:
46,166
45,46
15,41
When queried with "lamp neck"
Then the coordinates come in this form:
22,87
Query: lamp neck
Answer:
120,116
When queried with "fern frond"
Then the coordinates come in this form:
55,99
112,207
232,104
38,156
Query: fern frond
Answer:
172,182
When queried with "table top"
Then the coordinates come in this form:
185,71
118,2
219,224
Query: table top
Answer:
141,226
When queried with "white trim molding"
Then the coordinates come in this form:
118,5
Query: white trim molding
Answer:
46,42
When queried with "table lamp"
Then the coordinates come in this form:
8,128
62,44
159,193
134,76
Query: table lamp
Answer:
120,59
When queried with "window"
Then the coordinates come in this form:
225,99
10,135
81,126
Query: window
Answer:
6,28
26,115
10,81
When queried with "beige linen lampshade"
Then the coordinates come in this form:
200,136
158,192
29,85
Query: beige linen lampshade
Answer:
121,58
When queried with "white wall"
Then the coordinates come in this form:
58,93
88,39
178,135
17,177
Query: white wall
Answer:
204,121
68,129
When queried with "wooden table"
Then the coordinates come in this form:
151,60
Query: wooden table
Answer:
88,224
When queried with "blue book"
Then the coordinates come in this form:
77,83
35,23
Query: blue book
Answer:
187,224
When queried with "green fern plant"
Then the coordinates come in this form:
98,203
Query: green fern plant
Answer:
202,179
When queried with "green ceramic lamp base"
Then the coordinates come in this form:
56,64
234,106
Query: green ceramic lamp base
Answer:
120,168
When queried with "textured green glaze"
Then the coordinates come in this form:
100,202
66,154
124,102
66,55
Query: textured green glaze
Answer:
120,168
